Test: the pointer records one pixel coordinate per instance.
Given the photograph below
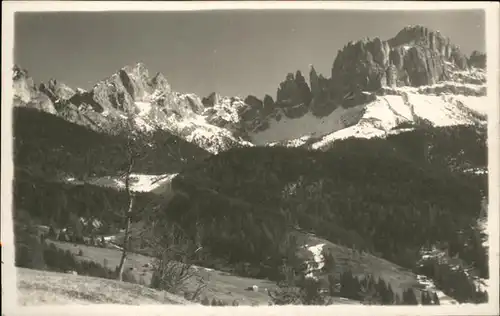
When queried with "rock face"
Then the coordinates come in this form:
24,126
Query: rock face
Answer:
57,91
211,100
477,60
293,91
416,56
254,102
130,85
27,94
319,85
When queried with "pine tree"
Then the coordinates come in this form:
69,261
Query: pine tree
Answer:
383,292
409,297
310,292
435,299
329,262
425,298
390,295
52,233
412,297
349,286
332,291
397,299
205,301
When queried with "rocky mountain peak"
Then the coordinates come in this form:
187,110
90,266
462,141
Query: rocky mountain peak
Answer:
418,34
433,40
56,90
22,80
19,73
210,100
160,82
416,56
26,93
294,90
477,60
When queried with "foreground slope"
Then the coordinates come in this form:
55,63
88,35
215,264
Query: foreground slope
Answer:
219,285
38,287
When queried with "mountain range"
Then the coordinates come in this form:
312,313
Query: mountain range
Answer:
387,156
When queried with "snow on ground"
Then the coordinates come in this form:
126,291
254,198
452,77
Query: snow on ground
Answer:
207,136
227,109
388,111
479,170
318,259
307,125
477,104
442,110
431,287
143,107
143,125
292,143
159,184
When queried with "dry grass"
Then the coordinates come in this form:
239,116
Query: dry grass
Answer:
220,285
42,287
227,287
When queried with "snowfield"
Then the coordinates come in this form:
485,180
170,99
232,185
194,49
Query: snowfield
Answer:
158,184
306,126
387,112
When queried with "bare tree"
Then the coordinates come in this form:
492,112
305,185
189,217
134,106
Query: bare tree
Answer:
132,155
173,256
137,147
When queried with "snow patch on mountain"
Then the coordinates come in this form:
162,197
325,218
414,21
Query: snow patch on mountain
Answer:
227,109
306,126
143,107
195,129
387,112
317,259
158,184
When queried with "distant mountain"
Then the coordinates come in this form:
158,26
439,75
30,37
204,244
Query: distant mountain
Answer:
375,86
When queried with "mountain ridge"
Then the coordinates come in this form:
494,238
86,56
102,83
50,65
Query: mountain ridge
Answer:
362,70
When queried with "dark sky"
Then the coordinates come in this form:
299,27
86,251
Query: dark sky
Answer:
231,52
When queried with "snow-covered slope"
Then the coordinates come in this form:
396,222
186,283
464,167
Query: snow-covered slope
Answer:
443,104
158,184
382,116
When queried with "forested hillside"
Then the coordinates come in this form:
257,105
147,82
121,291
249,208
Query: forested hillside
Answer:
386,196
52,146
